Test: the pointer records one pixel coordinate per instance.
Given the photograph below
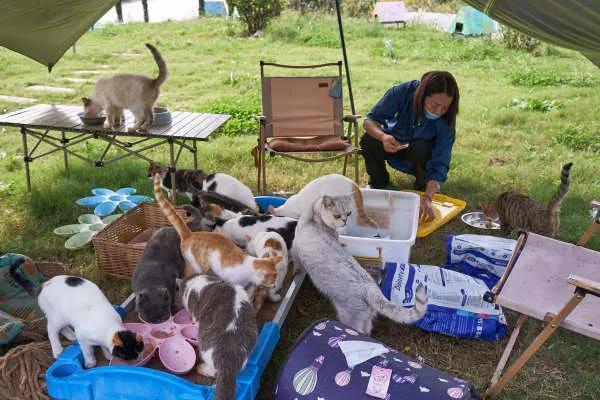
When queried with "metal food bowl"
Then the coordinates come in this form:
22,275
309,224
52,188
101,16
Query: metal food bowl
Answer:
162,116
478,219
92,119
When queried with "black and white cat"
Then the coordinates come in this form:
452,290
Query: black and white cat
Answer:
226,328
239,229
78,303
191,182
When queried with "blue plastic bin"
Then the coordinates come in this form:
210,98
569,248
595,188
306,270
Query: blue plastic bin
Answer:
265,201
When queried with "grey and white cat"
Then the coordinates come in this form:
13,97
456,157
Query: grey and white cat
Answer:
355,295
226,328
161,263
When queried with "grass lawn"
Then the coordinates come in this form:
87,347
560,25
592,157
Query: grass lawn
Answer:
213,68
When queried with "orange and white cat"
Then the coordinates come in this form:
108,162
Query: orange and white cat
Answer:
138,93
215,251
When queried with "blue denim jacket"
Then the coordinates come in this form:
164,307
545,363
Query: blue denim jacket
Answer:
396,115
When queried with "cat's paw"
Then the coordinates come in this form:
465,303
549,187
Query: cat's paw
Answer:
90,363
274,297
206,370
57,352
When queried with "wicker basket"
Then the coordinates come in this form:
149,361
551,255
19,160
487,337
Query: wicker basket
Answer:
115,255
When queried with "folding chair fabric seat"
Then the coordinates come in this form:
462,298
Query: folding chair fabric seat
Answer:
308,145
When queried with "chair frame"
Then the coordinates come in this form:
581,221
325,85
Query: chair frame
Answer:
352,130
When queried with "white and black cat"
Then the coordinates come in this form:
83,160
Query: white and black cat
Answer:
355,295
226,329
218,188
78,303
239,229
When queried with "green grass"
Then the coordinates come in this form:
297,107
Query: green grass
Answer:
213,68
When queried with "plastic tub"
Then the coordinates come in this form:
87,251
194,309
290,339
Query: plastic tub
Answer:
398,215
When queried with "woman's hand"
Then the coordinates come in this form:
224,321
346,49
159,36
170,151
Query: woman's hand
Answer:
426,213
391,145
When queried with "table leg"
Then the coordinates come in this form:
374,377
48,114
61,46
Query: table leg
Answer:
537,343
508,349
173,169
26,158
195,153
588,234
64,142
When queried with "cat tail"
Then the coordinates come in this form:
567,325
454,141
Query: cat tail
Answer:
397,313
167,208
561,192
162,65
225,382
360,206
22,281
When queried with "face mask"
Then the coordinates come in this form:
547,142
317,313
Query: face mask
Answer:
430,115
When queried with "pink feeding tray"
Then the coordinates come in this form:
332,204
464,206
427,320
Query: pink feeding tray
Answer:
172,338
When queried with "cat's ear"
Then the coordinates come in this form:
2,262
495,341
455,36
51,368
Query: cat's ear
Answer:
327,201
86,101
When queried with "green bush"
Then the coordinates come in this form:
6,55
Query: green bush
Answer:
536,77
576,137
243,113
529,104
256,14
353,8
513,39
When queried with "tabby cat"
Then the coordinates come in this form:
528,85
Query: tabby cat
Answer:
137,93
355,295
518,211
215,251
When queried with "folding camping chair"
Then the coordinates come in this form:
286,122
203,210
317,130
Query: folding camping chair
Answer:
538,282
303,119
391,12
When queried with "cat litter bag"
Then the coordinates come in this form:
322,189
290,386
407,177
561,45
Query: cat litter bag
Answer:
333,362
456,303
480,256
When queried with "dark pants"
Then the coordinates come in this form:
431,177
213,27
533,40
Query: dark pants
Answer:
416,155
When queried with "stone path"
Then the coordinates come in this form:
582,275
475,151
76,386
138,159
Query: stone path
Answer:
52,89
89,72
77,80
15,99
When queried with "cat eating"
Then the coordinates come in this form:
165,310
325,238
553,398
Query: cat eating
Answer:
134,92
226,329
355,295
78,303
518,211
199,187
203,251
161,264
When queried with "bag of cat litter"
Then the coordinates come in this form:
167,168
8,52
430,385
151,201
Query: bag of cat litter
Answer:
456,304
480,256
333,362
14,300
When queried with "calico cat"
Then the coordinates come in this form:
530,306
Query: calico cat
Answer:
161,263
270,244
217,188
518,211
332,185
138,93
226,329
215,251
78,303
353,292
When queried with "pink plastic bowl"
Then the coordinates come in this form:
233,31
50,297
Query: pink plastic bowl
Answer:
190,333
177,355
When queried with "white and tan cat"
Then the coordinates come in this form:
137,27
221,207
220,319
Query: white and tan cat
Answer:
134,92
215,251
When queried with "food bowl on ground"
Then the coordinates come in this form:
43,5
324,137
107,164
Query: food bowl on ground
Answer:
92,119
162,116
150,347
177,355
478,219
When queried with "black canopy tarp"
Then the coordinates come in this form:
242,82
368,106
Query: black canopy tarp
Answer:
574,24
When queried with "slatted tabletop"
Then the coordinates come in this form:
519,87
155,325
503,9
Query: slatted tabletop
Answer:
184,125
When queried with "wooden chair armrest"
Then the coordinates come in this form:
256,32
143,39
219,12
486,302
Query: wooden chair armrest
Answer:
351,118
260,117
595,204
588,285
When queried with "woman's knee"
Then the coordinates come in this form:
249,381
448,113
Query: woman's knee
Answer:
419,151
369,144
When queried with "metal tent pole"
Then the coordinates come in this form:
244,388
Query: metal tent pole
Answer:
343,44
